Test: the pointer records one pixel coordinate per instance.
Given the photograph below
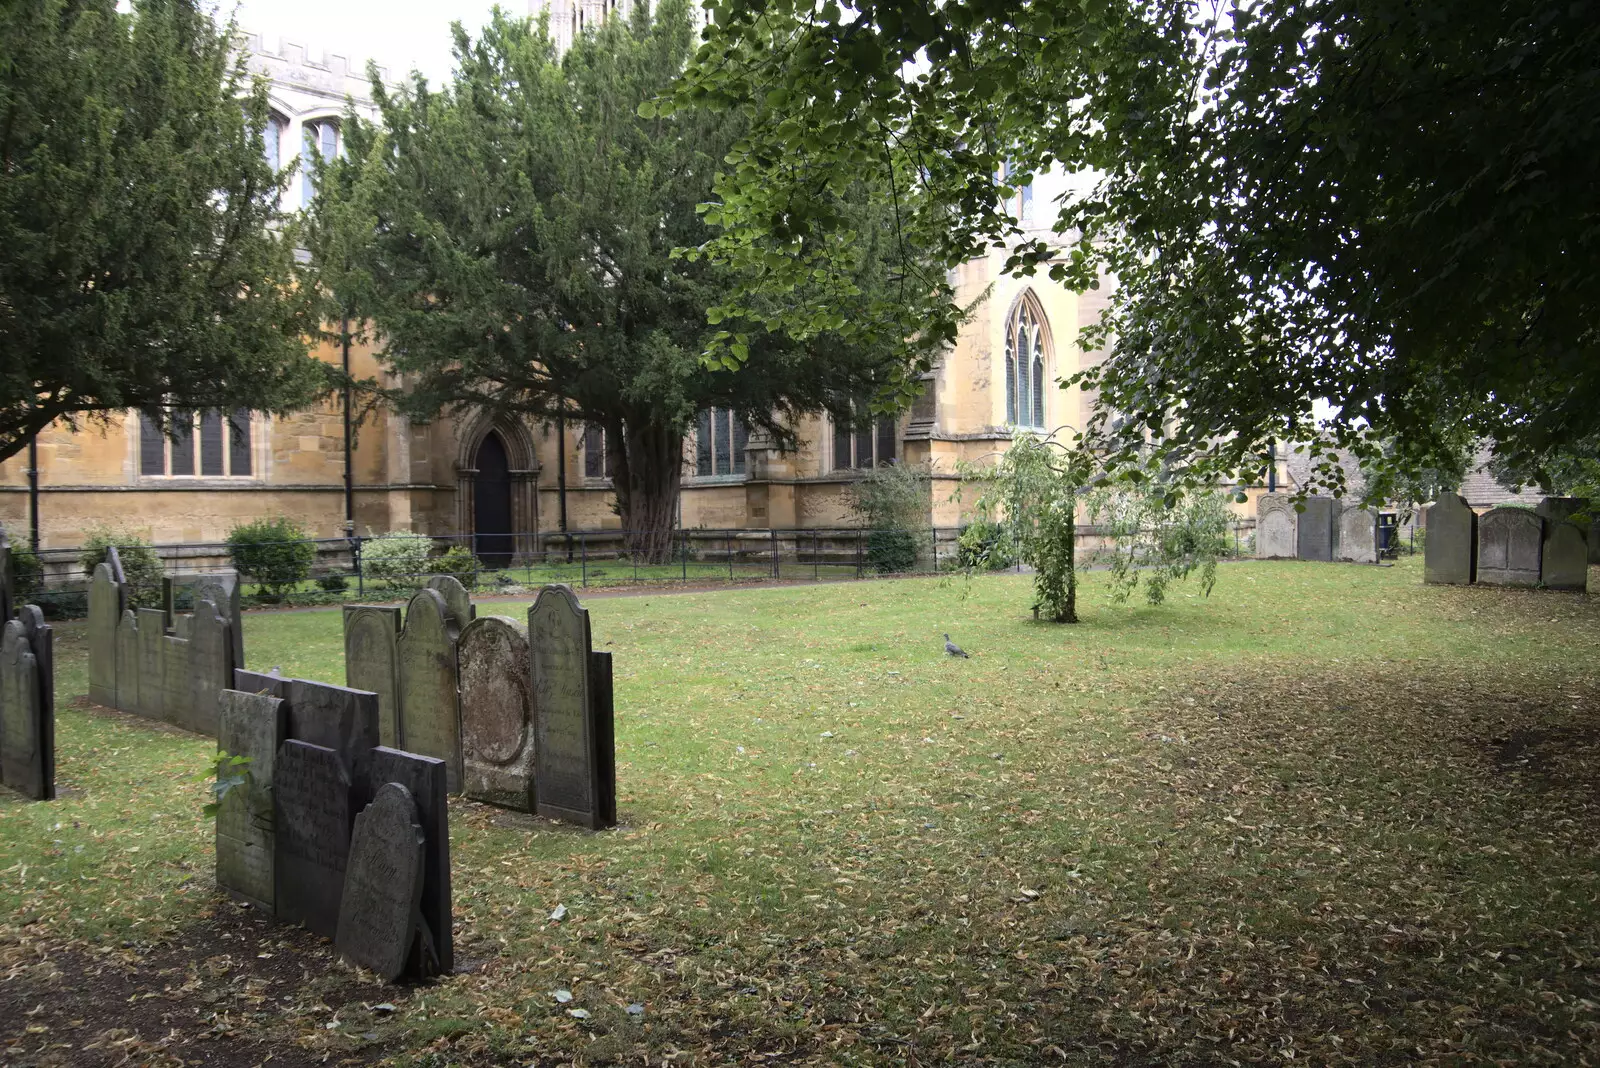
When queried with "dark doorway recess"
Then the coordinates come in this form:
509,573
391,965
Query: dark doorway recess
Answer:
492,504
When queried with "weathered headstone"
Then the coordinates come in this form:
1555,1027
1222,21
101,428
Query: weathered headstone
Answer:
105,610
1564,562
497,739
434,953
380,910
457,601
176,696
222,590
603,715
210,665
1510,545
254,726
1557,508
264,682
430,716
1317,530
311,833
1358,535
1275,527
27,713
335,717
1450,543
152,630
568,776
372,662
128,662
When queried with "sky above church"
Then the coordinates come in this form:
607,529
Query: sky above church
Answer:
399,34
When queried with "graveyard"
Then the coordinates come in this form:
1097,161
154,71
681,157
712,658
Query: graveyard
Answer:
1330,812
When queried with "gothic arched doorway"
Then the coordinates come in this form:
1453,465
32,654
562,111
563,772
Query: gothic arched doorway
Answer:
491,519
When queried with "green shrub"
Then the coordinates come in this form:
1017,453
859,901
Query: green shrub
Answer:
894,501
333,583
891,551
396,561
459,562
985,545
27,574
141,567
272,553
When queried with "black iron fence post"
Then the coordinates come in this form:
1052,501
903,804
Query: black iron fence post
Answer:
727,546
583,547
683,554
355,554
775,563
816,557
861,554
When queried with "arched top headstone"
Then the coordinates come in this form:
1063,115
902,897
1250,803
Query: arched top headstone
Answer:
1275,527
1450,542
495,704
1565,563
428,612
458,602
382,895
1510,547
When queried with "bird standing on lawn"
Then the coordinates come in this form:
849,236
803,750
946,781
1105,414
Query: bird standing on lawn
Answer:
953,649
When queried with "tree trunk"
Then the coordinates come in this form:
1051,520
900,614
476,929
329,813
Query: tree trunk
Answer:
647,472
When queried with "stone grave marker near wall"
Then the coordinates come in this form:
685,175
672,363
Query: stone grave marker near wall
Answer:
380,909
1510,547
211,665
1358,535
497,723
1317,532
8,580
106,604
254,726
424,777
127,660
311,830
430,715
152,628
1554,508
457,601
372,662
1564,559
27,705
1450,548
1275,527
222,590
571,776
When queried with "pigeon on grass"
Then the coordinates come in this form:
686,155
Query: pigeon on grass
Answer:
953,649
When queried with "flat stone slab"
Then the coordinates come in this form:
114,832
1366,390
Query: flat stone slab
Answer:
1450,547
254,726
1317,531
380,909
311,824
335,717
1510,547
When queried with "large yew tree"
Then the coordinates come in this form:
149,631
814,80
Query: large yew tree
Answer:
1384,206
139,263
514,238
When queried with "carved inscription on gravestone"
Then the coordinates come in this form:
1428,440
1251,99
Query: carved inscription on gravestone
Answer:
1275,523
558,645
379,912
1510,541
497,743
430,718
252,726
128,662
371,662
1358,535
337,717
311,831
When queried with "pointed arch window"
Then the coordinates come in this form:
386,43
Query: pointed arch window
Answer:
321,140
1025,366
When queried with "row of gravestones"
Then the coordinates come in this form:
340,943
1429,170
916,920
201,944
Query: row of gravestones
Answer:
332,830
27,693
1321,528
1508,546
157,663
522,716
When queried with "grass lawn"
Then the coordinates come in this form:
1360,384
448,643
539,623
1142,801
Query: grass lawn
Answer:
1329,815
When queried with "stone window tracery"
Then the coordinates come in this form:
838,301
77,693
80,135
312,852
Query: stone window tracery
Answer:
207,444
1025,366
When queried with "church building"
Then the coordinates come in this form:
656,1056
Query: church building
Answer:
505,481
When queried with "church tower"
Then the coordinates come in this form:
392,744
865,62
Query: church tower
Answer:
569,18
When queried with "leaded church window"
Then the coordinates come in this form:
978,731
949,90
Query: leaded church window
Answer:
208,444
1025,367
863,446
719,443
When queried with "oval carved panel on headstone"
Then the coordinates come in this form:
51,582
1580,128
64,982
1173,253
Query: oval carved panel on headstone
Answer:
495,716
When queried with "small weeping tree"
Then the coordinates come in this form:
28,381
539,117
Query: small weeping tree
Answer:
1036,485
1156,536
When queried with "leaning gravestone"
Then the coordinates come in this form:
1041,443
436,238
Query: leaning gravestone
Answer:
1564,562
372,662
335,717
311,832
570,772
1275,527
380,910
1510,546
1317,530
253,726
430,716
1450,545
27,699
105,610
497,729
424,777
1358,535
457,601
